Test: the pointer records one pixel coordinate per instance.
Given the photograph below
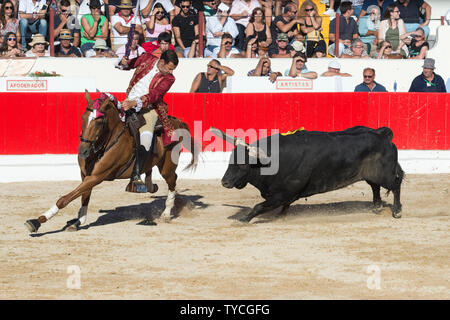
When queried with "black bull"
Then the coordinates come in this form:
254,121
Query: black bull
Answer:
312,162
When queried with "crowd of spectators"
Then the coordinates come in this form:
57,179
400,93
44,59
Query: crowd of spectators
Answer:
255,28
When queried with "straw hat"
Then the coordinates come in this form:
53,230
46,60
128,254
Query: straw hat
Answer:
65,34
38,38
125,4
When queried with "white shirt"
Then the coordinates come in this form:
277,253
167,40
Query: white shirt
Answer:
213,25
121,38
240,6
232,51
30,53
27,6
133,53
141,87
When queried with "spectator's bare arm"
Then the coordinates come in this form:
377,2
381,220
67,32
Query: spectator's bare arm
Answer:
176,32
146,11
259,66
427,8
196,83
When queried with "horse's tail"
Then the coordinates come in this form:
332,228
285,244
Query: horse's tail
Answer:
193,146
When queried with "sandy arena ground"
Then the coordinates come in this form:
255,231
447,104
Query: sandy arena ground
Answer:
330,246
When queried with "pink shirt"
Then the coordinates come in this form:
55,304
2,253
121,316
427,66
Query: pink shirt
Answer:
158,28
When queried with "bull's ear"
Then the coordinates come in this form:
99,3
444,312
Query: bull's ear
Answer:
223,135
87,96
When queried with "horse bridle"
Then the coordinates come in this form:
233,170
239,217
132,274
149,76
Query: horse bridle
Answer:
93,142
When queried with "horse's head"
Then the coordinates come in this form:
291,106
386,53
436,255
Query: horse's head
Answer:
94,126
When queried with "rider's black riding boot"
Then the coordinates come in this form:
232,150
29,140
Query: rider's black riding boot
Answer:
136,183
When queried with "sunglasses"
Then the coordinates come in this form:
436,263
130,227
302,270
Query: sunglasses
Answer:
294,12
307,10
300,60
185,7
368,77
63,10
228,42
6,8
210,66
158,12
418,36
12,39
388,47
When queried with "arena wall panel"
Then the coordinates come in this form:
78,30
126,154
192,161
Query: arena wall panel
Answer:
50,123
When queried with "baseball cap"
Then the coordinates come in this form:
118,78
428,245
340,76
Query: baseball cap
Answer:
282,37
334,64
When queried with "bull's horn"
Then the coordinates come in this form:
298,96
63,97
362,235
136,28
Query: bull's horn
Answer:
222,135
257,153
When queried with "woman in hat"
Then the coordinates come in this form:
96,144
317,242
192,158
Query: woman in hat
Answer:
157,23
9,48
38,47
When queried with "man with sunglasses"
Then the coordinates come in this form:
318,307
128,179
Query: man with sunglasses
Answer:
62,21
226,50
417,46
288,23
185,27
369,84
213,80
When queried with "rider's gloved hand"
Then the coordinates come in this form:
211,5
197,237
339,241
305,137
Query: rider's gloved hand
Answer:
130,111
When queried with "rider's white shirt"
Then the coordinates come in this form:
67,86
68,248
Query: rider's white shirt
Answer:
141,87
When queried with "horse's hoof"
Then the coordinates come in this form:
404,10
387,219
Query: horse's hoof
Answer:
73,225
32,225
166,218
397,215
153,188
377,209
244,219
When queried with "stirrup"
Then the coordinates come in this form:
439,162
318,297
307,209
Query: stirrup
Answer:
136,187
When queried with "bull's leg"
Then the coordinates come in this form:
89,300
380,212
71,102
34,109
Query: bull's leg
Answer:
87,184
396,211
378,204
168,173
261,208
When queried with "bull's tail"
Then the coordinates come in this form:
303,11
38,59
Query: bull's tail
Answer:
193,146
385,131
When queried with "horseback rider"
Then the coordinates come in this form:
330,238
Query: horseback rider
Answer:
151,80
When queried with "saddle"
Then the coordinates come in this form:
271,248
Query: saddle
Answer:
135,121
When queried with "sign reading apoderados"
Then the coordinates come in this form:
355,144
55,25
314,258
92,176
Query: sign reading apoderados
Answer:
26,85
289,84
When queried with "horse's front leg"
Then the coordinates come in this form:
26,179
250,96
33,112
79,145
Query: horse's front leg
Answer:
74,224
84,188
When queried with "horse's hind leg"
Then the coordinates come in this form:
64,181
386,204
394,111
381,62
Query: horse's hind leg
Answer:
74,224
167,170
86,185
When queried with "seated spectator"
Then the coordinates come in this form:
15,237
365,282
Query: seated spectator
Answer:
257,26
193,50
417,46
9,47
185,28
64,19
356,50
320,51
38,47
156,23
368,27
147,7
428,81
381,4
369,84
100,50
159,46
299,69
9,21
93,26
213,80
226,50
334,69
385,51
65,47
392,28
121,24
263,70
281,49
287,23
32,19
210,7
219,24
348,29
135,49
410,13
84,8
240,12
331,7
311,26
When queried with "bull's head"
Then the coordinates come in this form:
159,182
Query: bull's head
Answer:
243,158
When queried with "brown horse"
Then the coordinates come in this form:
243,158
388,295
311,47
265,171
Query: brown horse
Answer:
106,152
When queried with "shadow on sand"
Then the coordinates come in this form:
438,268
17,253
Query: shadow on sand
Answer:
311,210
149,212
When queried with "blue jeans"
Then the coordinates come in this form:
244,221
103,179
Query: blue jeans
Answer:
413,26
38,26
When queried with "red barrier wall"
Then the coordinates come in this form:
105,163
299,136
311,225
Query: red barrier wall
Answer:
38,123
